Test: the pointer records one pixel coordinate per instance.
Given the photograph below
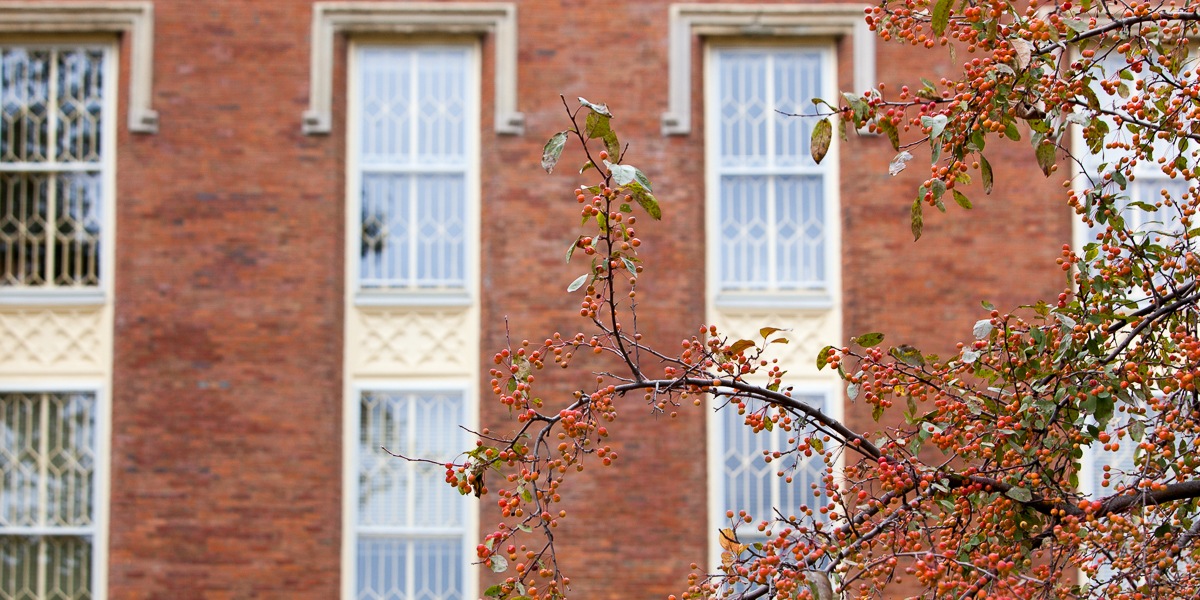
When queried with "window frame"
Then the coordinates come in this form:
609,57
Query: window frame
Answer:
99,530
353,431
414,295
825,297
715,456
101,293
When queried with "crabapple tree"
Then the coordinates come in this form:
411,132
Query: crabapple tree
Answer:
975,492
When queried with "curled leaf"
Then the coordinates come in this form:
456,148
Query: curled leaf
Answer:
918,223
596,108
553,150
1045,157
578,283
982,328
823,357
899,163
908,355
822,135
868,340
739,346
985,168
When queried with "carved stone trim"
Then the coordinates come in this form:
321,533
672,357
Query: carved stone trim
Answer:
135,19
331,18
687,20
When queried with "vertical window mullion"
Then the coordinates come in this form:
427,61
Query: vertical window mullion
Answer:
51,175
414,121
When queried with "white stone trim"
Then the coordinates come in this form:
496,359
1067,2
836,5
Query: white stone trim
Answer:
133,18
687,20
331,18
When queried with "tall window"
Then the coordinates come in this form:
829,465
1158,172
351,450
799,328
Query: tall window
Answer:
410,522
47,495
413,166
772,195
752,484
51,107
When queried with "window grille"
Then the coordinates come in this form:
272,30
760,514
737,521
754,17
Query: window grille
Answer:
771,192
413,168
47,495
410,523
51,197
752,484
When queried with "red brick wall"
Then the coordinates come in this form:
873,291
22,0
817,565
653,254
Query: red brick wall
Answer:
227,378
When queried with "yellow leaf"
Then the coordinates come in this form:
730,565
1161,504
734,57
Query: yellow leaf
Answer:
729,542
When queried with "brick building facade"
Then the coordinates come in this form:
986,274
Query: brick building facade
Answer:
222,356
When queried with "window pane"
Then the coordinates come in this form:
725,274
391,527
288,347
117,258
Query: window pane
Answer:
387,94
800,231
797,82
20,438
77,216
18,567
71,459
441,89
440,439
382,568
744,224
743,105
68,568
383,479
441,231
23,214
25,92
79,98
438,569
385,230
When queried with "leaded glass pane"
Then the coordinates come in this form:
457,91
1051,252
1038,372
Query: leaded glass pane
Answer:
744,110
68,568
800,231
18,567
440,439
383,568
23,214
441,98
386,104
77,248
441,230
744,224
797,81
751,483
71,459
438,569
20,440
80,103
386,230
383,479
25,93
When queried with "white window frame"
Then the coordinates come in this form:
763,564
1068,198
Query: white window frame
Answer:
350,487
414,296
715,455
56,295
824,297
100,485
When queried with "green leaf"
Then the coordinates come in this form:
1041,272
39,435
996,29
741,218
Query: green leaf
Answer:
877,412
987,305
578,283
597,126
917,222
939,190
1137,430
892,134
1045,157
823,357
941,16
588,165
612,145
821,136
816,443
625,208
962,200
908,355
1019,494
645,199
499,564
602,221
1010,131
936,124
596,108
574,245
868,340
985,169
553,150
642,179
493,591
622,174
526,495
629,265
